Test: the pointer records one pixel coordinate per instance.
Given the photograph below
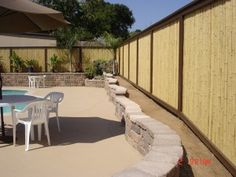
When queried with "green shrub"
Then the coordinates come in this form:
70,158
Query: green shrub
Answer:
90,71
99,67
32,65
109,66
96,68
1,65
54,62
17,63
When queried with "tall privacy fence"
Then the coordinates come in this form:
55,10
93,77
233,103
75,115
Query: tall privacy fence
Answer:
80,57
187,63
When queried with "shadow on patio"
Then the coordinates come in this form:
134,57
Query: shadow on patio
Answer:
76,130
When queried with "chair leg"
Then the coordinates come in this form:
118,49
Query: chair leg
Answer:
39,131
43,83
14,134
32,133
27,136
47,132
14,125
58,123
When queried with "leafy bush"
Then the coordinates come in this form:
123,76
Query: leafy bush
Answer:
54,62
90,71
2,69
109,66
96,68
99,66
30,62
17,63
32,65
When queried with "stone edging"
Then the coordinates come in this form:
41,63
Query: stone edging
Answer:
94,83
160,145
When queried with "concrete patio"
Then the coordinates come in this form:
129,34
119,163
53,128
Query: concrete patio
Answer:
91,143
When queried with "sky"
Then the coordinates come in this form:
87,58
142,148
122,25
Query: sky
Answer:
148,12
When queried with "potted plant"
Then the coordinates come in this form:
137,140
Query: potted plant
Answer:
30,64
54,62
89,71
1,64
99,66
17,63
94,74
113,42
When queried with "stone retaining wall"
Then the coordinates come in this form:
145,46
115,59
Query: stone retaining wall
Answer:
52,79
160,145
94,83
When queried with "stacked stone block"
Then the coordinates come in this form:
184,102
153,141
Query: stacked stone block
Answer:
160,145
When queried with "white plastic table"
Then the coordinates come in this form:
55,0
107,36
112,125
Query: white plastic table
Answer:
12,100
34,81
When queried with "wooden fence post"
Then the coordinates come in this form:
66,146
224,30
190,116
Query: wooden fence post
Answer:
137,62
129,60
11,68
181,55
80,60
151,62
46,59
119,61
123,59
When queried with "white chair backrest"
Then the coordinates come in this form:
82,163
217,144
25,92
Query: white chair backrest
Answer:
30,78
55,97
37,110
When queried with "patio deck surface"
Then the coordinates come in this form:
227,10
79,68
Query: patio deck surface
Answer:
195,150
91,142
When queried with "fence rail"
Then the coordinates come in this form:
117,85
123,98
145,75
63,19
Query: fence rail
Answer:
186,63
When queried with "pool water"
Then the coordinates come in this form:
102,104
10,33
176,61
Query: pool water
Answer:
19,106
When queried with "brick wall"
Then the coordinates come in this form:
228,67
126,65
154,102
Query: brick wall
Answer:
52,79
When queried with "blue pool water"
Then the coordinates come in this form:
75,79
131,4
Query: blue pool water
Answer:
13,92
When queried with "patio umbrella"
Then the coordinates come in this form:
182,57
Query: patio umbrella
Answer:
17,16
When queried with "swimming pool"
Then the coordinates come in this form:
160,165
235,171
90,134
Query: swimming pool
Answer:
14,92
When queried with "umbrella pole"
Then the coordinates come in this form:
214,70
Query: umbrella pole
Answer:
2,124
3,138
2,121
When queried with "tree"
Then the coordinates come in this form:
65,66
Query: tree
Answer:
67,38
113,43
99,17
133,33
92,18
70,8
121,20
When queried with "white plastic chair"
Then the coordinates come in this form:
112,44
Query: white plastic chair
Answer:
55,98
43,80
35,81
33,114
31,82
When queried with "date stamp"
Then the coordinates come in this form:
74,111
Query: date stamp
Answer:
199,161
196,161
